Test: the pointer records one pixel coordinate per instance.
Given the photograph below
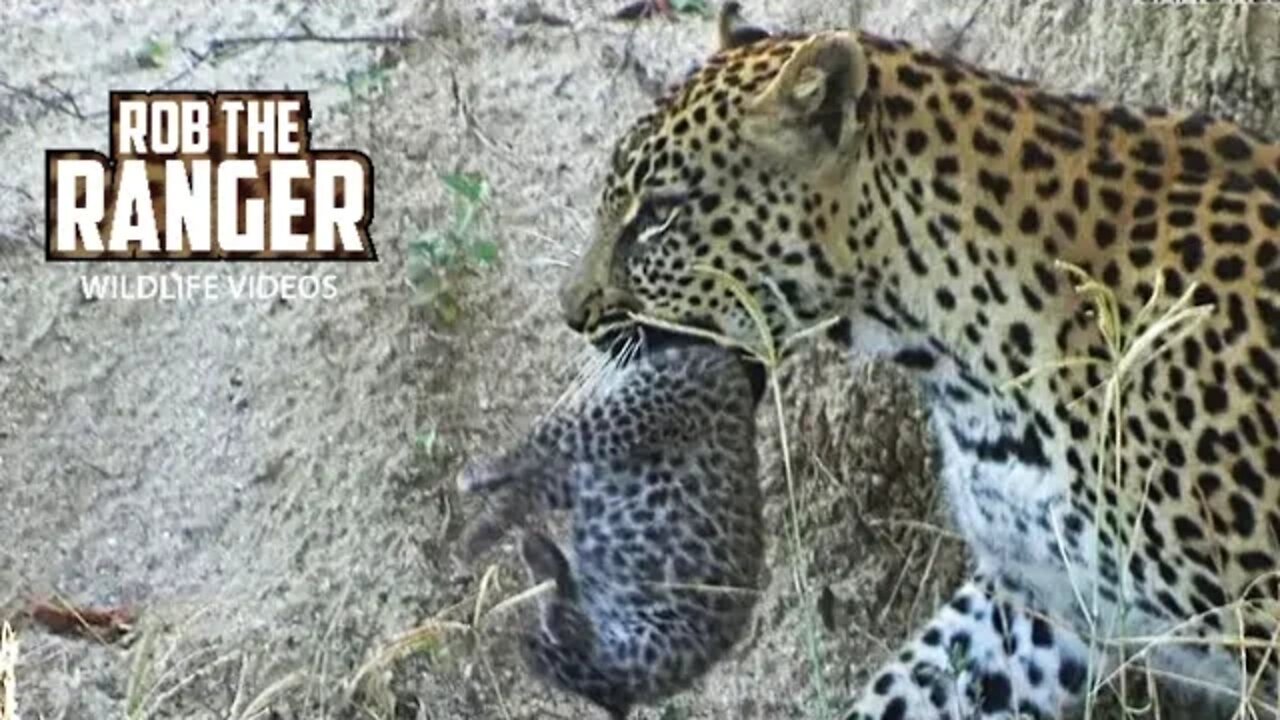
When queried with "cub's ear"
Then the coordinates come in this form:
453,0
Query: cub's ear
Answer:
733,29
810,107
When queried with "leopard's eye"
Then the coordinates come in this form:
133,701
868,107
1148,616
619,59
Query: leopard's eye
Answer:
658,225
655,215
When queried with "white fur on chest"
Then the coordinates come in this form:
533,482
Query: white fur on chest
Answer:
1009,512
1001,507
1013,514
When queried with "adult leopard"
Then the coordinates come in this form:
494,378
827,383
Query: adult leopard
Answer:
927,202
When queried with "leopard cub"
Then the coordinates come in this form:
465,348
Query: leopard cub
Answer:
658,470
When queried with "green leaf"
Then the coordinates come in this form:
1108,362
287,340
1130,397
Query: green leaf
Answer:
447,310
692,7
154,54
362,83
471,186
485,251
427,441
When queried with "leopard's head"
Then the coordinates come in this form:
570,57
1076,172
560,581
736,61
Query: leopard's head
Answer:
739,178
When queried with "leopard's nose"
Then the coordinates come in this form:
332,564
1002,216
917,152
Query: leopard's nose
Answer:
575,306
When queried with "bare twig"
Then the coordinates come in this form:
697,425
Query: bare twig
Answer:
220,43
8,681
197,59
61,618
17,189
957,39
63,103
500,149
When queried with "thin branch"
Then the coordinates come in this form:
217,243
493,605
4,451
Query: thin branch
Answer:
63,103
957,39
220,43
196,60
17,189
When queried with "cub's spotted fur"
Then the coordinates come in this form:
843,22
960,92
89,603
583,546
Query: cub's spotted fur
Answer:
659,471
927,202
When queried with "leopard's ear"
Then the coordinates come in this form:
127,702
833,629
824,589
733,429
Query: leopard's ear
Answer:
733,29
809,109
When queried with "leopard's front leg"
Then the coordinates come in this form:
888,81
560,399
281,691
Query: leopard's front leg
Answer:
980,658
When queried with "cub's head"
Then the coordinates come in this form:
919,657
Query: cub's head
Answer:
740,172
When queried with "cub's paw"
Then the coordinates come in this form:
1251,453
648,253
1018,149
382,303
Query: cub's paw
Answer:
486,474
543,559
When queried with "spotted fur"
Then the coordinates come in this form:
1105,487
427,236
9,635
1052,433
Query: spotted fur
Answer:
926,202
659,472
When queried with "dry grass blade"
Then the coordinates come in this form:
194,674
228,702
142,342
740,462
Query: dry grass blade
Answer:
723,340
520,598
748,302
430,634
145,689
1129,347
192,670
260,706
486,581
423,638
8,673
139,682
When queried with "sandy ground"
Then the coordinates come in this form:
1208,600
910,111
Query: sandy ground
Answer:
269,485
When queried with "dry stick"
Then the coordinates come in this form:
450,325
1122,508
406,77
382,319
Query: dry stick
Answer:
66,103
219,43
321,656
67,106
8,675
180,683
954,43
295,18
1256,682
501,150
915,525
924,578
897,583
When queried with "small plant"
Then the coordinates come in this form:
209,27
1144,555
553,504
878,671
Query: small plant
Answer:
442,259
154,54
428,441
367,83
692,7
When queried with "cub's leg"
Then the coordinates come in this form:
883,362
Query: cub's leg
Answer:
517,487
537,463
981,659
563,647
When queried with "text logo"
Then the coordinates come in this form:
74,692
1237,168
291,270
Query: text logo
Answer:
209,176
